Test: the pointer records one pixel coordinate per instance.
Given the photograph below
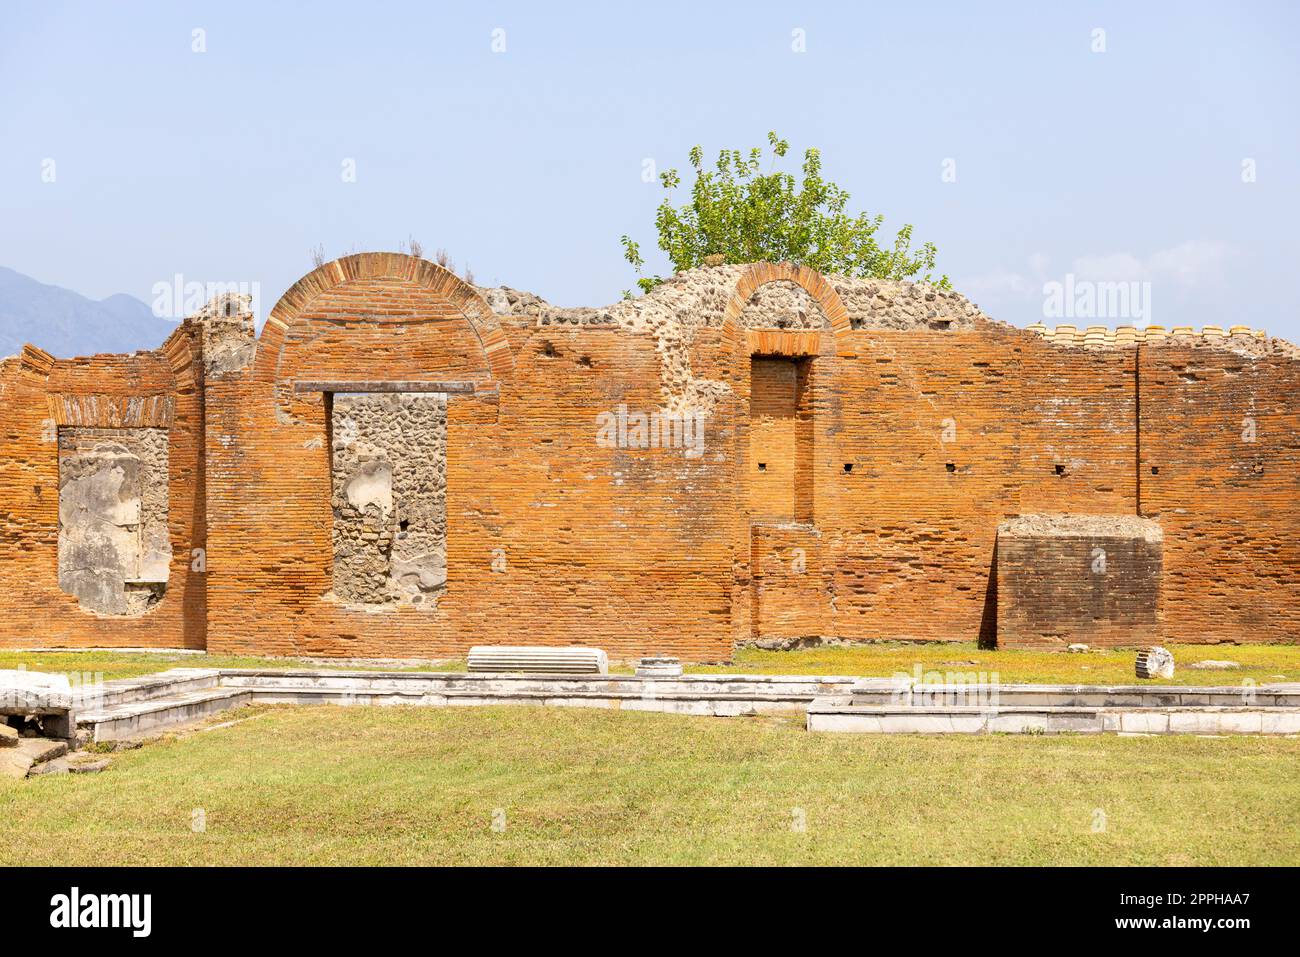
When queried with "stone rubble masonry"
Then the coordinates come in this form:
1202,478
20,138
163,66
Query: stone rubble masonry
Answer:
916,426
390,498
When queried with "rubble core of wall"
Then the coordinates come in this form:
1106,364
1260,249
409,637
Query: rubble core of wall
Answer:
1082,526
229,339
114,547
697,298
1249,346
782,305
389,458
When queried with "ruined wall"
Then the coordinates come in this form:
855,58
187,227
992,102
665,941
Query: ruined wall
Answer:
900,425
550,536
1220,471
917,462
61,423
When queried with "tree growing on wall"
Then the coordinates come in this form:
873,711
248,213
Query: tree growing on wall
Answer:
738,214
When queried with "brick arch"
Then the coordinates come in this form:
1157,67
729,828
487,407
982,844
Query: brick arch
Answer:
179,353
288,311
810,280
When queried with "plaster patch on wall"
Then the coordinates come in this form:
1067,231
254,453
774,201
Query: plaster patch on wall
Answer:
389,475
114,550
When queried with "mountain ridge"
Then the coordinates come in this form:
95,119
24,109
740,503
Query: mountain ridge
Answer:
67,324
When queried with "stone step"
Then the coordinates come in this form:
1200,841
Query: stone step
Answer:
803,687
164,684
137,717
839,714
697,703
1077,696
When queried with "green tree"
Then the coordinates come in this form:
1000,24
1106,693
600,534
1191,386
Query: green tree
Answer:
739,215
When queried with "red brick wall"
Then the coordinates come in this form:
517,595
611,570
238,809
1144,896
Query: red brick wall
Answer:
929,423
1230,508
1098,589
36,613
791,599
552,538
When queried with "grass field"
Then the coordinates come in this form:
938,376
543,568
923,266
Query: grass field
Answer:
327,785
119,664
1259,663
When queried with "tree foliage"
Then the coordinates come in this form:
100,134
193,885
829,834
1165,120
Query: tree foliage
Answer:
738,214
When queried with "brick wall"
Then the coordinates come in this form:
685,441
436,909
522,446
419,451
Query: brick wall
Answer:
1087,579
39,396
903,450
1220,470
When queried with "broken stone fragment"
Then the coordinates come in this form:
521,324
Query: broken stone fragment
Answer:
1212,664
8,736
1155,662
88,765
14,763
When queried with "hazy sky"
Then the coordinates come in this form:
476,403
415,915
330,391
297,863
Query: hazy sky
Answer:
228,165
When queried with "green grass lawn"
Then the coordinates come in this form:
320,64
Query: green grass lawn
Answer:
118,664
1262,664
328,785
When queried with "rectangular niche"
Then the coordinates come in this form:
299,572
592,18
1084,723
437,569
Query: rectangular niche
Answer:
114,549
780,439
388,466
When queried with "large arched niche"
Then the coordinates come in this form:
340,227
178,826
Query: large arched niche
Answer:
373,316
810,280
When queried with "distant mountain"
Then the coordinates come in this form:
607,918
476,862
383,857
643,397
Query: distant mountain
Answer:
66,324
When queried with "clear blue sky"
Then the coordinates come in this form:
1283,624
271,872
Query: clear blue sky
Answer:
226,165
